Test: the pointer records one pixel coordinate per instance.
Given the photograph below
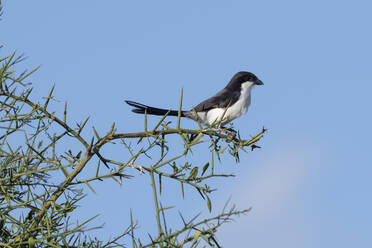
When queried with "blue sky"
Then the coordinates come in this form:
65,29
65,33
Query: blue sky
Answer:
309,185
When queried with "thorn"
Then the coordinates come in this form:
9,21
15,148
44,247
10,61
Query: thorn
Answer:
255,146
112,129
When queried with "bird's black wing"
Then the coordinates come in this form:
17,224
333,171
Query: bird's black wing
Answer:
222,99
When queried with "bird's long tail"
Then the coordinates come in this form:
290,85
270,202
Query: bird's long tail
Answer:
141,108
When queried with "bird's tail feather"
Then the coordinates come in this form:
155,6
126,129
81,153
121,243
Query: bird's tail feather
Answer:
141,108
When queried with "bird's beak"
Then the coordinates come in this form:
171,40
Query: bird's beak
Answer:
259,82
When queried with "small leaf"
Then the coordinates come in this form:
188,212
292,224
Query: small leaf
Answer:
205,167
197,234
209,204
31,242
174,166
41,143
193,173
196,139
183,191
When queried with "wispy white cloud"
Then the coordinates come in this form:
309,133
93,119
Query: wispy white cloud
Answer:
276,181
273,188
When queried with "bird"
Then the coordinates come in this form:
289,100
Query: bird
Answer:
226,105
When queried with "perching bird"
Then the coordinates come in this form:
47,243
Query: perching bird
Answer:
225,106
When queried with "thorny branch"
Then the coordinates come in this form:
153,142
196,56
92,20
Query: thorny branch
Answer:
29,153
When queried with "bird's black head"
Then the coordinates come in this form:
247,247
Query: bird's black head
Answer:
242,77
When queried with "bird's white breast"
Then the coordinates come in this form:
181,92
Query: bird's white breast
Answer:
239,108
